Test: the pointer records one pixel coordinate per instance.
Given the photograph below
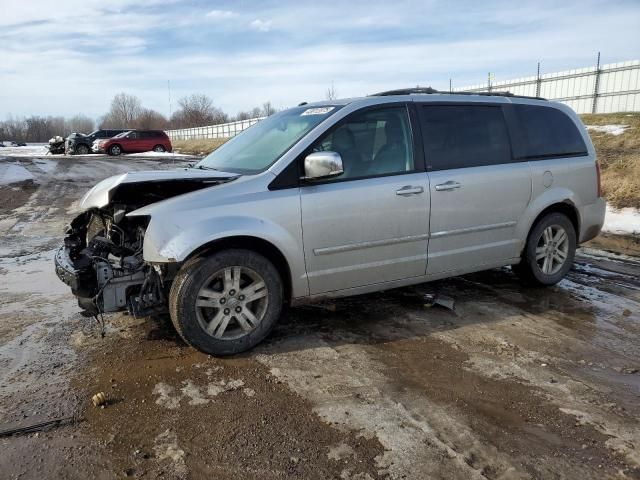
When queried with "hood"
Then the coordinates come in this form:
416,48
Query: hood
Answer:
143,188
77,135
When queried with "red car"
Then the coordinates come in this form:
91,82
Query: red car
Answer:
134,141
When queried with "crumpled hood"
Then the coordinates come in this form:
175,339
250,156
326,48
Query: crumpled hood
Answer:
160,184
74,135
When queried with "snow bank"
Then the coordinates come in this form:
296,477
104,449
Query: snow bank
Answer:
28,151
610,129
623,221
13,173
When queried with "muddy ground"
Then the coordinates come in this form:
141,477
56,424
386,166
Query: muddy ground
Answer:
515,383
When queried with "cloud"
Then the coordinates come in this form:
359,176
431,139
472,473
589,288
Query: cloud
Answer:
221,14
261,25
89,50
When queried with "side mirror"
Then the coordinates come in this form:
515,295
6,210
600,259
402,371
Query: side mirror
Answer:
322,165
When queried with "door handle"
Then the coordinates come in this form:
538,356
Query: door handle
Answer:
409,190
450,185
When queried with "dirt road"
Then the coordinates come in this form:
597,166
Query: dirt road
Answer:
515,383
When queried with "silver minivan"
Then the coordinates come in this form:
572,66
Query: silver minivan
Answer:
338,198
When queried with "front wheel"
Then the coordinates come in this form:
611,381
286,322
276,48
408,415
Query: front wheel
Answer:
82,149
159,149
226,303
115,150
549,252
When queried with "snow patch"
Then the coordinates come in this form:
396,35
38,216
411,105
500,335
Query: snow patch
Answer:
169,398
216,388
157,154
610,129
13,173
622,221
166,397
192,391
28,151
166,448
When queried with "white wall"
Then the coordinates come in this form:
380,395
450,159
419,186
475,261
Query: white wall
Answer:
618,87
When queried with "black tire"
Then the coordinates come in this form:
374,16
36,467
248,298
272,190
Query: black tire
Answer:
530,271
82,149
159,148
189,319
115,150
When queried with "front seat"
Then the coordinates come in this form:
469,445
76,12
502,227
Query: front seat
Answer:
392,156
344,143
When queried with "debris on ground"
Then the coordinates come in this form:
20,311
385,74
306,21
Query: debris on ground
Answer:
36,427
99,399
431,299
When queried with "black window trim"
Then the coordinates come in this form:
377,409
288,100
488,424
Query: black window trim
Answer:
285,177
507,115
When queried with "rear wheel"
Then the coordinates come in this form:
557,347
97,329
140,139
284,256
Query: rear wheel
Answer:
226,303
82,149
159,148
549,252
115,150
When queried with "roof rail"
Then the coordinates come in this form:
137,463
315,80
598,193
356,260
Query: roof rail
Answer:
433,91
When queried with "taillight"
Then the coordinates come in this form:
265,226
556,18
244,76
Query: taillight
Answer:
598,179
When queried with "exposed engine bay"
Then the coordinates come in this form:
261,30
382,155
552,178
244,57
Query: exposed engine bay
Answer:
102,256
102,263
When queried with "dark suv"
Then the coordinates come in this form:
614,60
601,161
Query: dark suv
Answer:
134,141
80,144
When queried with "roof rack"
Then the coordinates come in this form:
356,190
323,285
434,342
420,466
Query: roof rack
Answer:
433,91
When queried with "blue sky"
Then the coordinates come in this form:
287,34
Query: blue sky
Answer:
72,56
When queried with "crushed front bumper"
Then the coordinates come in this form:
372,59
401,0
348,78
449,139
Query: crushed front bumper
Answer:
80,279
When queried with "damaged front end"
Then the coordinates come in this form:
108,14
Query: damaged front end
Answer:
102,256
102,262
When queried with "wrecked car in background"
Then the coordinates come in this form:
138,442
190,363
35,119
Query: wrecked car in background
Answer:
56,145
334,199
80,144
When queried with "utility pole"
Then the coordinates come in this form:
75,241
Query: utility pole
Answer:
169,90
596,87
489,82
450,89
538,82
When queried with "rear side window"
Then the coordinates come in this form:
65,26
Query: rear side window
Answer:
547,132
462,136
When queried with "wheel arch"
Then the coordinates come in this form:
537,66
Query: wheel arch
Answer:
255,244
566,208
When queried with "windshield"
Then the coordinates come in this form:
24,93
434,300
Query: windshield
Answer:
258,147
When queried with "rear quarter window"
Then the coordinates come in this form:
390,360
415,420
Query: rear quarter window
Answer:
547,132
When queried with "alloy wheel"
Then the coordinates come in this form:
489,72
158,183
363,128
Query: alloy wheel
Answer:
552,249
232,302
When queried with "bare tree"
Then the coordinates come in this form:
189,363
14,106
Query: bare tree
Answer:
80,124
267,109
197,110
151,120
331,93
243,116
124,111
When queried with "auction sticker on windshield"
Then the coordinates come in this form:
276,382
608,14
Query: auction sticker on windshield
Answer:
317,111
